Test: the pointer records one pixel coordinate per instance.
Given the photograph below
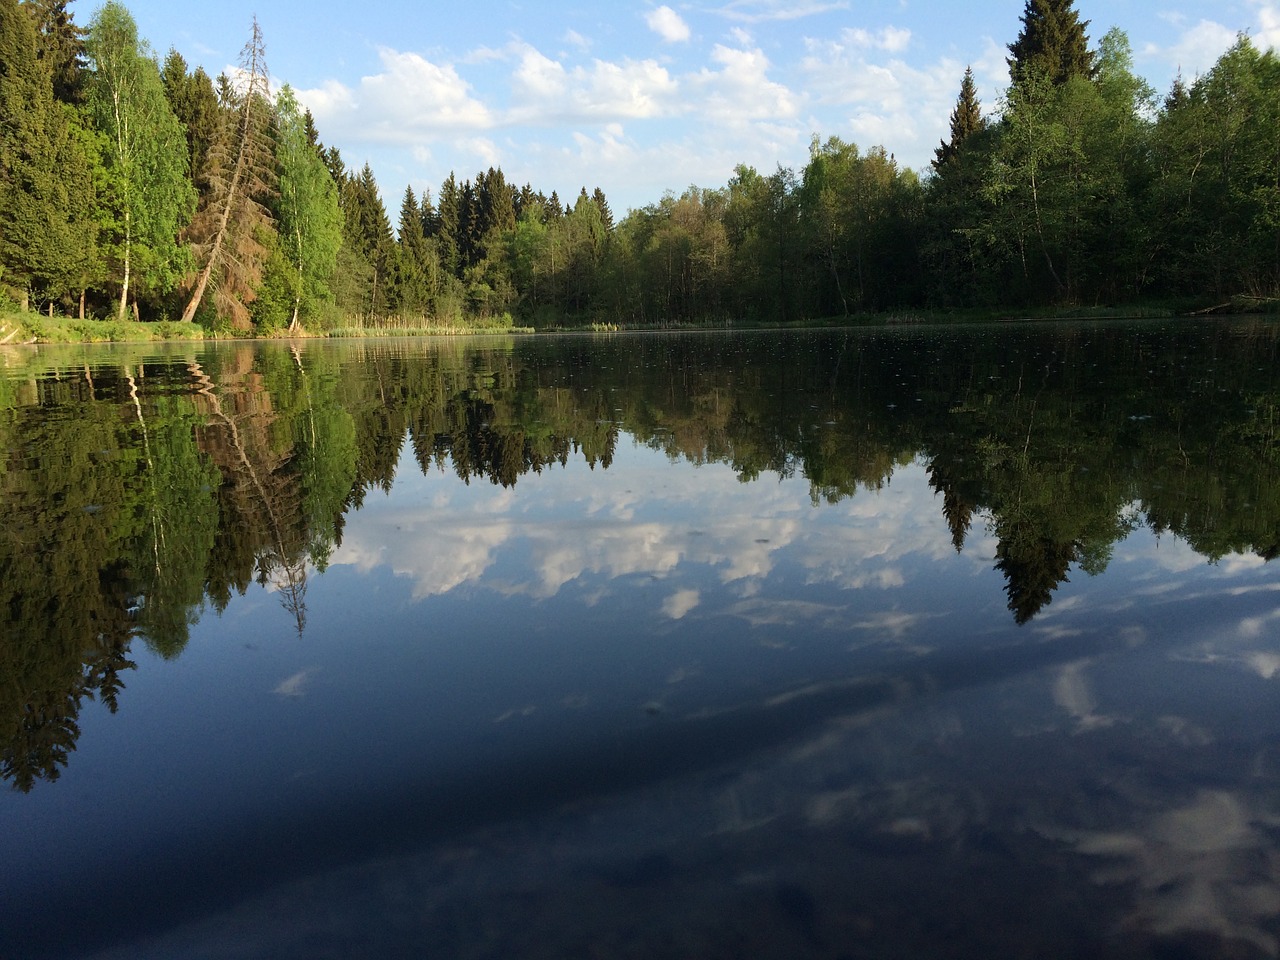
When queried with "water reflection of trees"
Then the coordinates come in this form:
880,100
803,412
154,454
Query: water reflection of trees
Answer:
136,492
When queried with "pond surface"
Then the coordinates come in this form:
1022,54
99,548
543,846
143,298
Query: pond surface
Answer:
895,643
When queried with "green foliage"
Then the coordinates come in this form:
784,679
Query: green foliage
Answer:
146,158
1052,44
45,180
966,120
195,103
59,46
309,223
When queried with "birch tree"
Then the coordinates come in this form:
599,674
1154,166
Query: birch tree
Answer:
310,221
146,155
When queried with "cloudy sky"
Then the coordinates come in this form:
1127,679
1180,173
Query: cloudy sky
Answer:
641,97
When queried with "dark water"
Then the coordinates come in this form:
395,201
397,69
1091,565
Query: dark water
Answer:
917,643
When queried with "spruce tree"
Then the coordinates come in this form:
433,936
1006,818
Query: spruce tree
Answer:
409,289
367,234
46,189
60,45
448,219
966,120
1052,43
606,214
195,103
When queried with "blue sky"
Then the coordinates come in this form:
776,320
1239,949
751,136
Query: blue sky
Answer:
641,98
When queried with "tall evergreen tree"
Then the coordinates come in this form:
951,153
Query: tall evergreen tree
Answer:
966,120
449,213
195,103
552,208
606,214
430,218
409,293
367,232
46,189
1052,43
146,152
60,45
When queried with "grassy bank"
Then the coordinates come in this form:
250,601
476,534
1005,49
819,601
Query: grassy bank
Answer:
17,327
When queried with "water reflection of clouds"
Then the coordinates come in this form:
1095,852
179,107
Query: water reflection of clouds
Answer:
650,519
866,540
437,555
1206,866
681,603
1073,692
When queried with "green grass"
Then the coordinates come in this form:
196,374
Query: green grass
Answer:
29,327
421,326
18,327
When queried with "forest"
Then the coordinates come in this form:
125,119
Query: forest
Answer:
137,188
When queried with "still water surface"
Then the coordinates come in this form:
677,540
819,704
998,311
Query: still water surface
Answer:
948,643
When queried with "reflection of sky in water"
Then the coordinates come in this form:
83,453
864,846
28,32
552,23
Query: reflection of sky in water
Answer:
651,709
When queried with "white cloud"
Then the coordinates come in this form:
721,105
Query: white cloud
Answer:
1073,693
295,685
892,39
409,99
1191,869
1268,32
484,150
892,104
680,603
741,90
538,77
1196,50
546,92
758,11
575,39
668,24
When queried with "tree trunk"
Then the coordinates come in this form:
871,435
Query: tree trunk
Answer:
124,287
202,281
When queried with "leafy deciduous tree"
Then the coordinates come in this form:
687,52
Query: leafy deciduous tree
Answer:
147,158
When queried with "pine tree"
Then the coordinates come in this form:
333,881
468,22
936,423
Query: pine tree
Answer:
449,214
553,208
966,120
497,203
46,191
60,46
606,214
468,227
525,200
410,293
195,103
1052,43
427,210
367,232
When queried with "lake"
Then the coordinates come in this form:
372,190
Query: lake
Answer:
868,643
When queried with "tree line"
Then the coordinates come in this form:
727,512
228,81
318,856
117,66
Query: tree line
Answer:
135,187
